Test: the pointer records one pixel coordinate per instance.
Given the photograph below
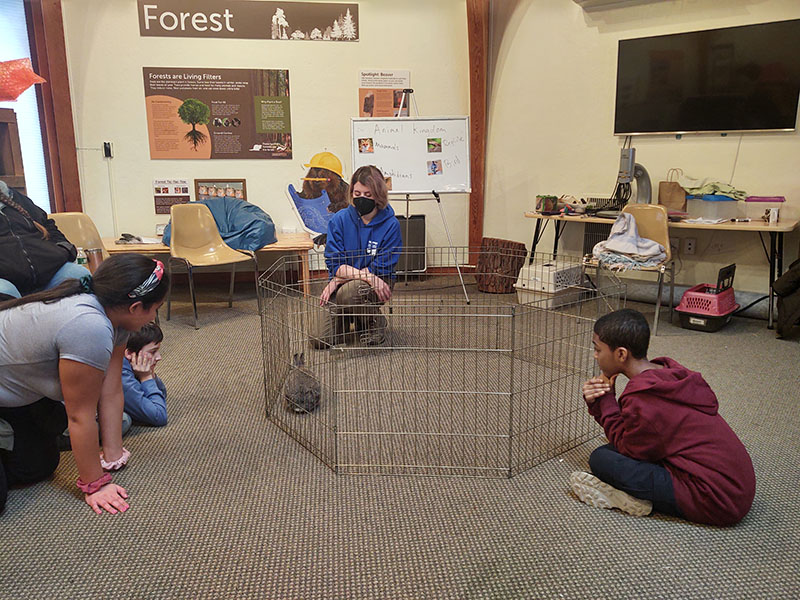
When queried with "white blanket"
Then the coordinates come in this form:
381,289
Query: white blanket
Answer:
625,249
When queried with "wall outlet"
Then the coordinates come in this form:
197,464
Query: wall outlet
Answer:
715,248
689,245
160,228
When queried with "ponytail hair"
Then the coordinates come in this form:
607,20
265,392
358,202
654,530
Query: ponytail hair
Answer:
67,288
118,281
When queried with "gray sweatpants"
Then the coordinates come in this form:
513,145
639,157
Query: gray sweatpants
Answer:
355,309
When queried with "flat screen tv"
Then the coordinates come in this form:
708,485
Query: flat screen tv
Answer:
720,80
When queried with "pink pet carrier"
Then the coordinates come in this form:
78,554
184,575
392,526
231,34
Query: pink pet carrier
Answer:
706,307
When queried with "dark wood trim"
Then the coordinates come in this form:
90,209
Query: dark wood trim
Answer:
478,40
49,57
11,169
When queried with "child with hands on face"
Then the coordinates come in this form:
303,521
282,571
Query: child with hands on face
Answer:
145,393
670,450
597,386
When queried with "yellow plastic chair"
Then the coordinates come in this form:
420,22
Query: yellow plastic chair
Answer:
196,242
80,230
652,223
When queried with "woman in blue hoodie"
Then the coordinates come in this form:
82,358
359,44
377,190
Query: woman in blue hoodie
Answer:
361,253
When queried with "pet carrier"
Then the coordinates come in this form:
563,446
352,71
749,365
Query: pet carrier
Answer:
706,307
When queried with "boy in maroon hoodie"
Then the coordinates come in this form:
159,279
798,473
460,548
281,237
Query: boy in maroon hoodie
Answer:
670,450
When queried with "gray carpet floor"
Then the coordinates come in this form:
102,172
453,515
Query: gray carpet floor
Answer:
226,505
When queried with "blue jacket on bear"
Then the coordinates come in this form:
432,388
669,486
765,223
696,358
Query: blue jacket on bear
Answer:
243,226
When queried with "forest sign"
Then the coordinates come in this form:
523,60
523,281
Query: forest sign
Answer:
314,21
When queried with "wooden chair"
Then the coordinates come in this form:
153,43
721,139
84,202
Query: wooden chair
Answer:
652,224
196,242
80,230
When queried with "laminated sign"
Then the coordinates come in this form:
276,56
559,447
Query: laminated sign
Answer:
218,113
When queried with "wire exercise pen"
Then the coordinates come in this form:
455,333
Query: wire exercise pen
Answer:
488,388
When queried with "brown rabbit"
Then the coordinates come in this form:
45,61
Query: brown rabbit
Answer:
303,390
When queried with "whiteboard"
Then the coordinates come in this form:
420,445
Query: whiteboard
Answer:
420,154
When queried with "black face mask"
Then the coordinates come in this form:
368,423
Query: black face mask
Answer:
364,205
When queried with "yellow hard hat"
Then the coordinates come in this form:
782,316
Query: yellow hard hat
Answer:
326,160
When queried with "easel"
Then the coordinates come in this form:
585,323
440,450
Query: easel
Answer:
404,102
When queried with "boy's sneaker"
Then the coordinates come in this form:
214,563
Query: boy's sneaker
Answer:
595,492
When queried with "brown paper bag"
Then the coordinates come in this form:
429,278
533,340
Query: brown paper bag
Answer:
670,192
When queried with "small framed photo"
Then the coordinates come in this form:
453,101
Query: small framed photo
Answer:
209,188
434,167
366,145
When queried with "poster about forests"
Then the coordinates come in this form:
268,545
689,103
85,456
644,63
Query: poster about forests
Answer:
245,19
218,113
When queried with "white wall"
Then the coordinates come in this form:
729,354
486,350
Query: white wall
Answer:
106,56
552,78
551,122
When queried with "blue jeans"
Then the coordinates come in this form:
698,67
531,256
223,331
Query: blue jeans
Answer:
67,271
640,479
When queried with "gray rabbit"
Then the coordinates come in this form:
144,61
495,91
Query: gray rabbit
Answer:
303,390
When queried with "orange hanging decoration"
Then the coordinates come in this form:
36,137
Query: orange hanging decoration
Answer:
16,76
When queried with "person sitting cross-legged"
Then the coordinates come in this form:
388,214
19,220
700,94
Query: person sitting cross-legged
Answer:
670,450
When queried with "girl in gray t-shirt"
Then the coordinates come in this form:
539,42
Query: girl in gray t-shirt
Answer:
61,357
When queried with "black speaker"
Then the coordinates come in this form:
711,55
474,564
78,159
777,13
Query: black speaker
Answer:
412,259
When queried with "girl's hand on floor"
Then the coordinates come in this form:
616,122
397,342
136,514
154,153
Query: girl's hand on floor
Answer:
110,497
